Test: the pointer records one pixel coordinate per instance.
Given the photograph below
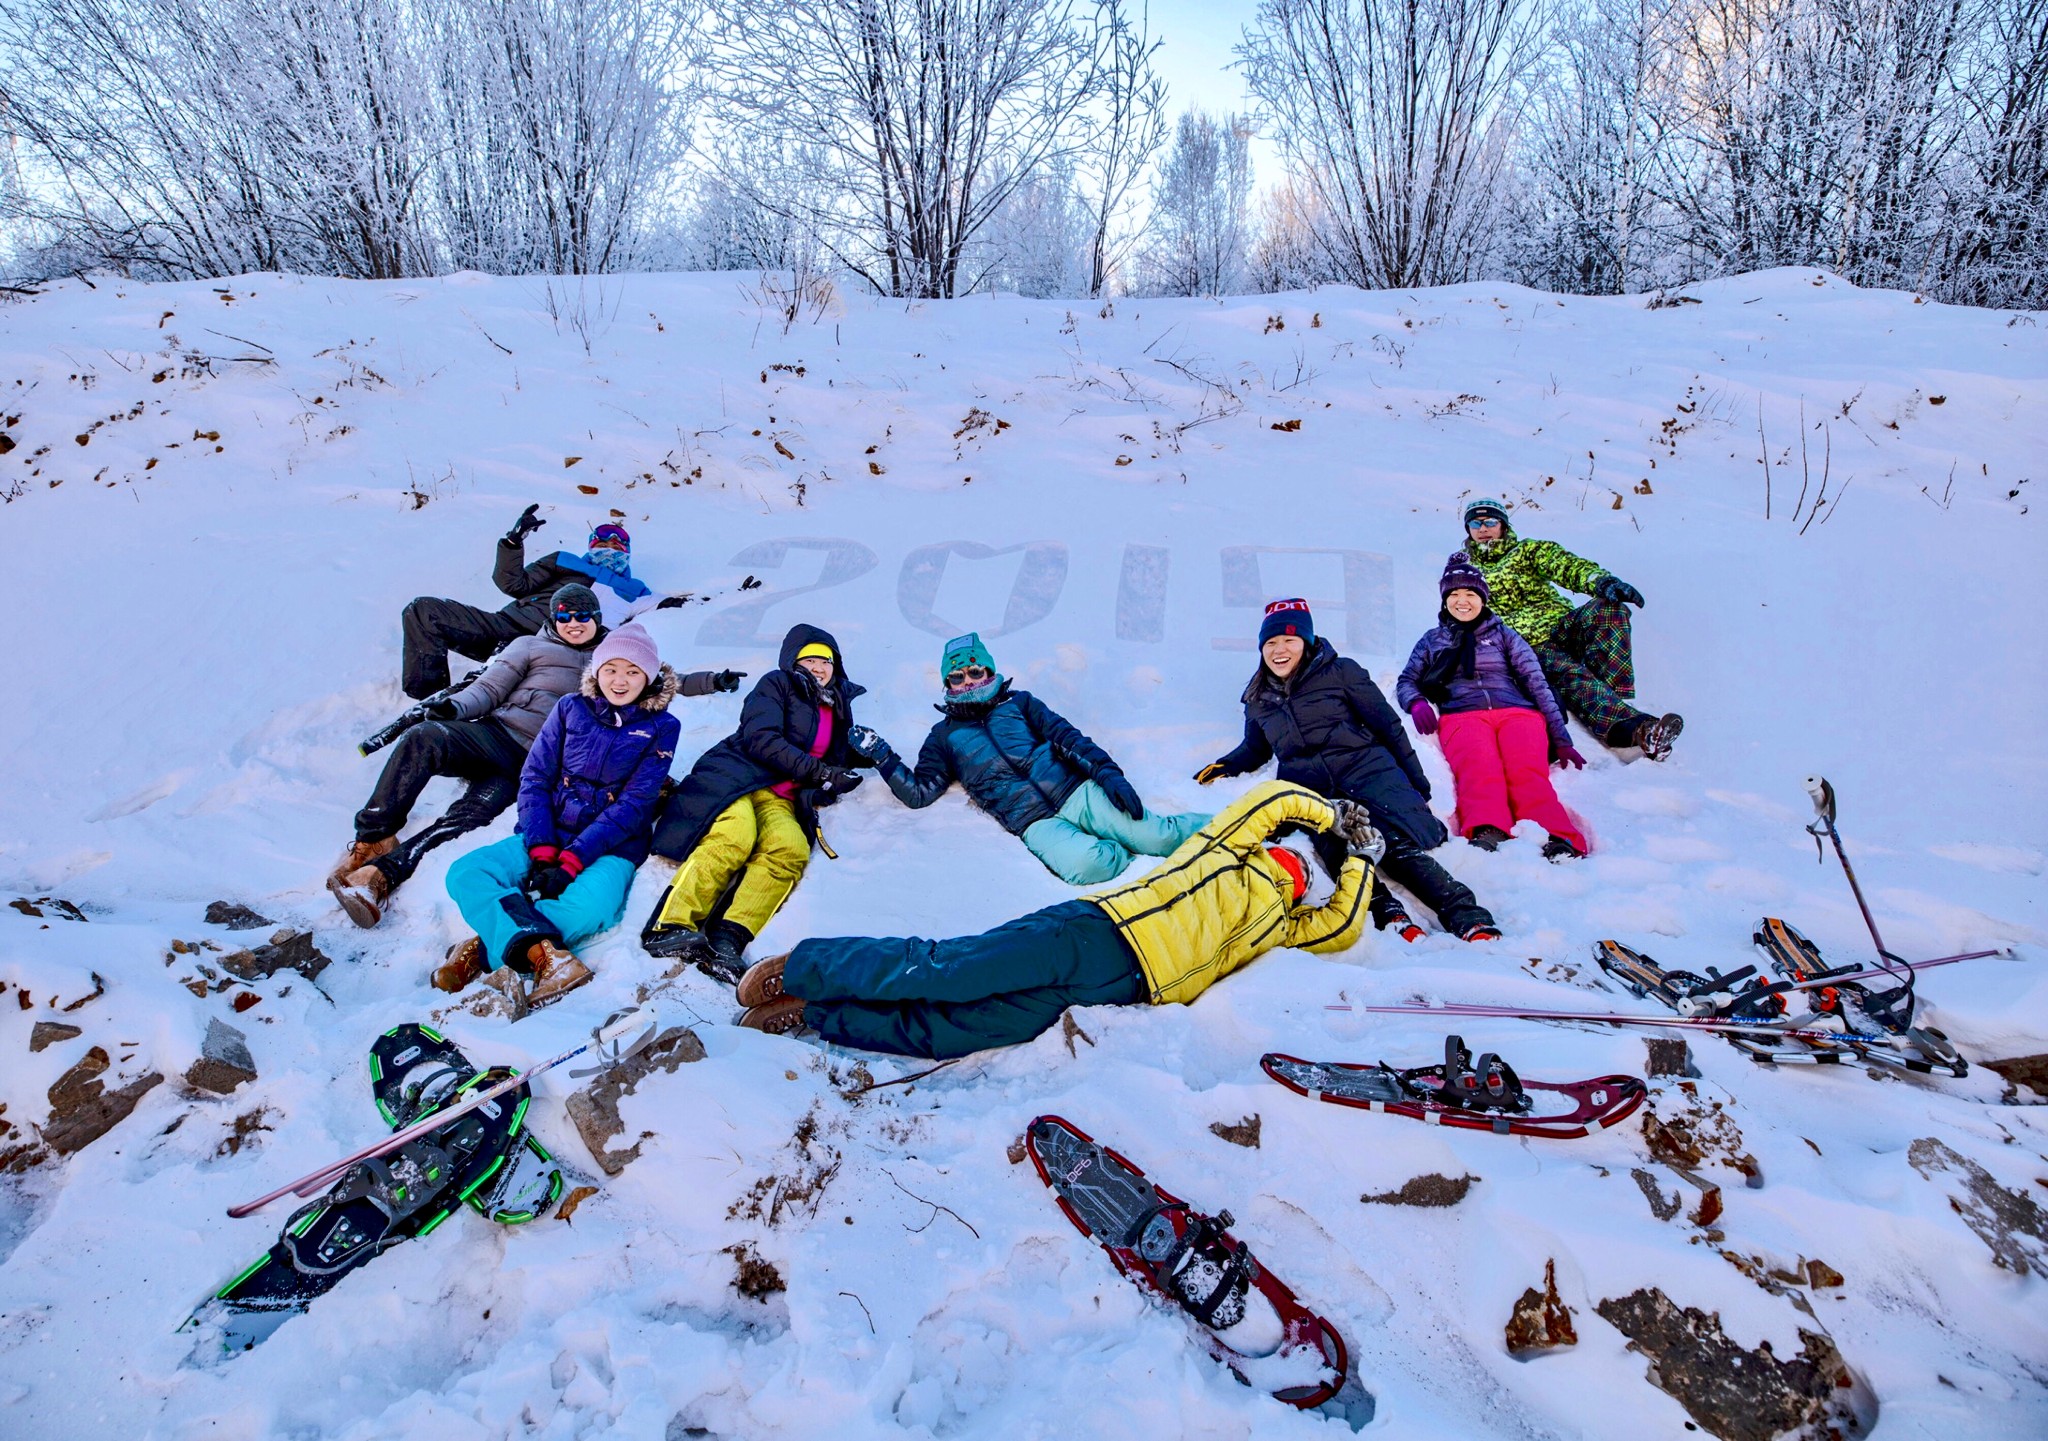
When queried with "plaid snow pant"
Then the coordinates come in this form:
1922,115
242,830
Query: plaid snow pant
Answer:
1590,665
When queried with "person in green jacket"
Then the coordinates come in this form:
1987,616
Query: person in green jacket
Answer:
1586,650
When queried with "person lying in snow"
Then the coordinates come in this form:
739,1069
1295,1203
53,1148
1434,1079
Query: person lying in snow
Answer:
1585,652
480,734
743,820
1332,730
1280,867
1026,765
1501,727
433,625
587,797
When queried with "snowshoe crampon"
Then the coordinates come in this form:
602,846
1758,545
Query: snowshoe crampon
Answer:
1858,1007
1485,1095
484,1158
1251,1321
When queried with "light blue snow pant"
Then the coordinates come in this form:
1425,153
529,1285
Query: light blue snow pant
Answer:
1090,841
485,885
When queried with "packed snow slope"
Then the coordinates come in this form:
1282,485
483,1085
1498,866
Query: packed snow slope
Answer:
219,497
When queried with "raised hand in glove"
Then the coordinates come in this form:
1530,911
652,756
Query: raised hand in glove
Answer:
526,525
1121,793
728,680
1569,757
867,743
1361,838
1214,771
1613,587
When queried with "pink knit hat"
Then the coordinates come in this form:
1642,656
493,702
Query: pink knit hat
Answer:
628,643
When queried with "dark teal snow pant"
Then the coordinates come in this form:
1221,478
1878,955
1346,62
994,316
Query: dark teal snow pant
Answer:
914,997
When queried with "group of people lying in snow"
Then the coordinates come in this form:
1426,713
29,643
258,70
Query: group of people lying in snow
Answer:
570,719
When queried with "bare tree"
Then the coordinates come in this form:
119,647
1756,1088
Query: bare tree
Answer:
1996,216
1396,115
1132,127
924,115
1201,212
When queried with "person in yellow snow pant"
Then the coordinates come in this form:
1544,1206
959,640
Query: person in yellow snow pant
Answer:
758,839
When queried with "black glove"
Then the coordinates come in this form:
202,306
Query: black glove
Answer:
1613,587
1361,838
836,781
1121,793
727,680
867,743
441,710
672,602
1213,771
548,882
526,525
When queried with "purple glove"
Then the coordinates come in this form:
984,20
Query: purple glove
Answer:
1569,757
1425,718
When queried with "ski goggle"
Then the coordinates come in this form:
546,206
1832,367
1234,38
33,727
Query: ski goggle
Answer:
575,617
967,675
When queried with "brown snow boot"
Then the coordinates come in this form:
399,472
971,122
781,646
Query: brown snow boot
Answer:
358,855
362,893
465,963
777,1017
556,972
762,983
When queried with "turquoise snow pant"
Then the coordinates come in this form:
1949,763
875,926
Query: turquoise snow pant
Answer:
485,885
1090,841
914,997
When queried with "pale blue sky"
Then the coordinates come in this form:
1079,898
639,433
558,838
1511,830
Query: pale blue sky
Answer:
1194,60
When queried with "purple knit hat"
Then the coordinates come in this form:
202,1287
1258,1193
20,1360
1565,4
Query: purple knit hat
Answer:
628,643
1461,574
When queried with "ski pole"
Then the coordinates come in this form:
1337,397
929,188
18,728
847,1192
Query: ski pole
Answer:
1823,796
608,1040
1684,1023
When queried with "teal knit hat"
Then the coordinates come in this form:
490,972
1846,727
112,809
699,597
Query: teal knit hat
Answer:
965,650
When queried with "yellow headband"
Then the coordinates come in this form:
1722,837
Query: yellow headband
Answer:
818,649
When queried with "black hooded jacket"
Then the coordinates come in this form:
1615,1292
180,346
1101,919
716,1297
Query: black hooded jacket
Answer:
772,745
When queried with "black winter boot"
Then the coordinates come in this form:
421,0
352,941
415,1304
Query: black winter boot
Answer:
729,941
1487,838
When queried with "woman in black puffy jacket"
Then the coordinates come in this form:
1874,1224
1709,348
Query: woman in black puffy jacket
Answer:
1332,730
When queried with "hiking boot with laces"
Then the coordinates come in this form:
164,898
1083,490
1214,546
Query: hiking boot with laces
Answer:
556,972
465,963
762,983
778,1017
362,893
1487,838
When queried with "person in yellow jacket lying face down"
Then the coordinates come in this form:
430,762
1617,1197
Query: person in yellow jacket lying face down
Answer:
1281,867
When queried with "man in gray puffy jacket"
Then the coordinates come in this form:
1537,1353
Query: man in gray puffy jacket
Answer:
480,734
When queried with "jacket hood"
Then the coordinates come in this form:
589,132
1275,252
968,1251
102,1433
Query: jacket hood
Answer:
1321,654
801,635
660,691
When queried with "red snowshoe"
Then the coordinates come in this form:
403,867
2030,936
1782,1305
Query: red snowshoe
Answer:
1486,1096
1188,1259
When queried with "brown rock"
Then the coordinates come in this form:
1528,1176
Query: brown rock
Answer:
1430,1190
48,1033
1541,1321
2010,1222
1244,1133
224,1060
1820,1274
235,916
595,1110
2028,1071
82,1109
1729,1392
1669,1057
287,949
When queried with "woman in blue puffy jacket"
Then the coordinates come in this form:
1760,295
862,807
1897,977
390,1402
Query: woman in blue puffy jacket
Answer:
1029,767
587,798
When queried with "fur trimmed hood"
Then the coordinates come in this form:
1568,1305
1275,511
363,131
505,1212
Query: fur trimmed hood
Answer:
660,691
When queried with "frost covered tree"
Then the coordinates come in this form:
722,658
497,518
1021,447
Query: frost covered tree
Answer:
1396,117
925,117
1130,126
1200,228
1996,217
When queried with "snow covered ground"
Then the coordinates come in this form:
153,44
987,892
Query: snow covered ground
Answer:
219,497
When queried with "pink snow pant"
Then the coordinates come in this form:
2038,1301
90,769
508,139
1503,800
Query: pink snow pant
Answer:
1500,760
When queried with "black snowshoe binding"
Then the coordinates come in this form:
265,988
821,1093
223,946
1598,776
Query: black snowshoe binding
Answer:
1208,1279
1858,1008
1737,995
1489,1086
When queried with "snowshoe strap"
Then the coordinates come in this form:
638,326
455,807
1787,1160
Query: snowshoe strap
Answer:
1135,1233
1232,1284
420,1098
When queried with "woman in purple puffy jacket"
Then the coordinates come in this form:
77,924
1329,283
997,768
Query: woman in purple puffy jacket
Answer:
1501,726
